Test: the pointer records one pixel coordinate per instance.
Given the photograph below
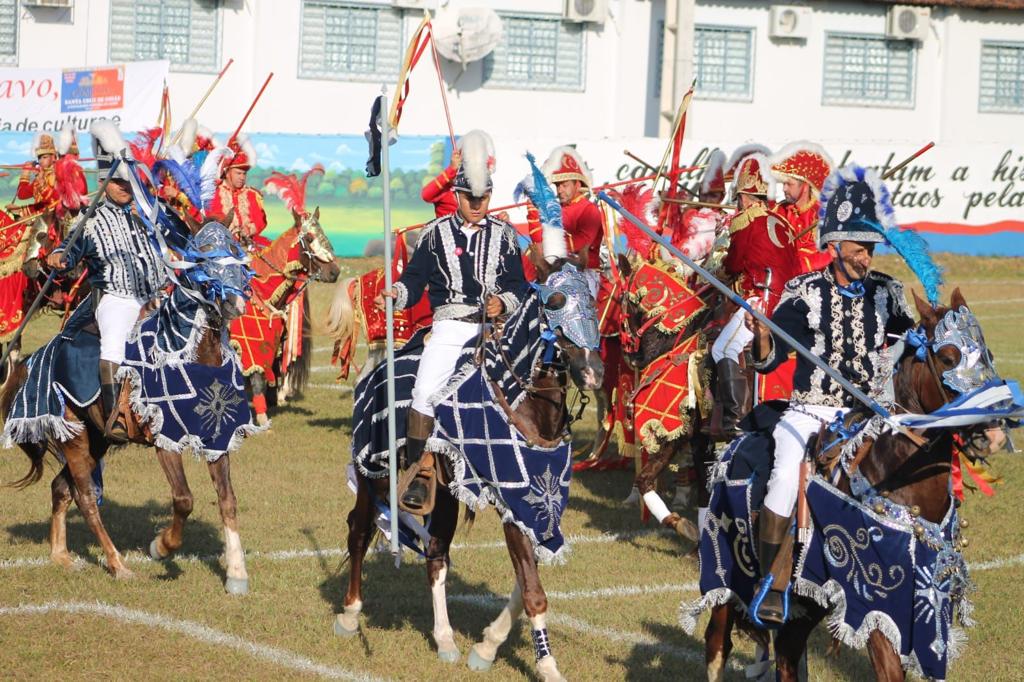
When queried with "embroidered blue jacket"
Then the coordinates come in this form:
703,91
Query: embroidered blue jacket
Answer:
850,334
459,271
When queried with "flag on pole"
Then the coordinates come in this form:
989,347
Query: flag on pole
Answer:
373,139
417,45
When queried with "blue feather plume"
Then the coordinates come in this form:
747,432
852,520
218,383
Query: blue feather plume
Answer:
914,250
186,177
541,194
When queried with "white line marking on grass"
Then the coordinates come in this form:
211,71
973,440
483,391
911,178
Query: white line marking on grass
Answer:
340,388
196,631
996,563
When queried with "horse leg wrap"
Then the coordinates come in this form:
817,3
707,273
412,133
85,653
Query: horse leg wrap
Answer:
657,505
541,644
259,404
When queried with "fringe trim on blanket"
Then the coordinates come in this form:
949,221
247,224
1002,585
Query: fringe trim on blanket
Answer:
39,430
689,611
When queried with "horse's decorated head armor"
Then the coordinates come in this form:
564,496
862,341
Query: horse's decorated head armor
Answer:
568,297
961,330
220,271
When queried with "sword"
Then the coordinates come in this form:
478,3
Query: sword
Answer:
760,317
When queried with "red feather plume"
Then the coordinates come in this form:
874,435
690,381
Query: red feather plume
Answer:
639,201
142,146
70,186
290,189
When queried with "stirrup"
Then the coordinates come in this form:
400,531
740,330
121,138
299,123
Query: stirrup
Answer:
755,604
429,477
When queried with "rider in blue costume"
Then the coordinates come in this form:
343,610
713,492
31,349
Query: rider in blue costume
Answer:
845,314
125,268
471,265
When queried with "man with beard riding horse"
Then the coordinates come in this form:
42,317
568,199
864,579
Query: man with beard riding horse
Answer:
846,314
471,266
125,269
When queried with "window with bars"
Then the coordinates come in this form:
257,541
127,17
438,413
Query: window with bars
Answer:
349,41
1001,86
8,31
537,53
723,62
867,69
186,32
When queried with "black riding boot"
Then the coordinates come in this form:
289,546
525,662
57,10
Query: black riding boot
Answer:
110,390
418,429
732,395
772,530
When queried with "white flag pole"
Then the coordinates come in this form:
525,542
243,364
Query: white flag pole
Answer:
389,309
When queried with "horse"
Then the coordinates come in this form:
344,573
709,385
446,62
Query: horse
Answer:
301,254
208,297
910,482
663,319
526,363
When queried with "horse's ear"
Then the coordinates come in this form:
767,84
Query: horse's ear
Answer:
296,217
956,300
924,309
316,214
625,267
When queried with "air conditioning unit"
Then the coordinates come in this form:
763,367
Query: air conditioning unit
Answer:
411,4
586,10
789,21
62,4
908,22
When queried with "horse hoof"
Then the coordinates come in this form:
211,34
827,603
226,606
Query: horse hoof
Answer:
341,631
123,573
477,662
65,560
687,529
154,551
451,656
236,586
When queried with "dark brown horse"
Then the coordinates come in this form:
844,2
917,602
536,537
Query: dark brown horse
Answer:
907,473
83,452
645,340
542,419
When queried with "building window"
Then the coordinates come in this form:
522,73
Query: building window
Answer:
723,60
537,53
1002,77
8,31
347,41
870,70
182,31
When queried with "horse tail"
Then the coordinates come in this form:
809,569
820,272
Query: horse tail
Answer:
468,519
17,374
341,318
299,371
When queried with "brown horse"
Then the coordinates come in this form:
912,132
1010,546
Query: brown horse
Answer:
84,450
646,340
300,254
542,419
906,473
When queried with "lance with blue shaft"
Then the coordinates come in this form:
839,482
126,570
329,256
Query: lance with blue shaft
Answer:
760,317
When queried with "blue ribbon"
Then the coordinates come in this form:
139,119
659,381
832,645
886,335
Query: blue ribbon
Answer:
841,432
548,337
918,340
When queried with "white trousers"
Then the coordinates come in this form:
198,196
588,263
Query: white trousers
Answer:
734,338
791,435
115,316
437,364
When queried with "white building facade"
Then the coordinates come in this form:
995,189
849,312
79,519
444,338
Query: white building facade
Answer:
840,80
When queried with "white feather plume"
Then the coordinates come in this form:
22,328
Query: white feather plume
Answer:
187,138
744,151
247,147
66,139
210,173
477,151
109,137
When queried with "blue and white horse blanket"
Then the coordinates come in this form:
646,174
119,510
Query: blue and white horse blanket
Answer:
869,561
491,461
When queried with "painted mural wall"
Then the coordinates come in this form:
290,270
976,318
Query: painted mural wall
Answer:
963,198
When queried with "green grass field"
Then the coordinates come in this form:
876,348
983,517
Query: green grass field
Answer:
613,606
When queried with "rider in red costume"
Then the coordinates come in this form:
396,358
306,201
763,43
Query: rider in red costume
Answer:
803,167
